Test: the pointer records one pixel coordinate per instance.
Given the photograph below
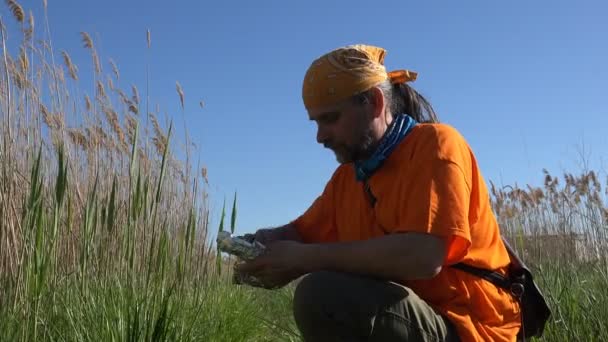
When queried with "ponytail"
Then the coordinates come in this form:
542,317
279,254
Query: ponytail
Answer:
402,99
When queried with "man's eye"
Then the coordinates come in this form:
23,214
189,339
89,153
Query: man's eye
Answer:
331,118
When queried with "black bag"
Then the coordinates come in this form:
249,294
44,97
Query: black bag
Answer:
520,283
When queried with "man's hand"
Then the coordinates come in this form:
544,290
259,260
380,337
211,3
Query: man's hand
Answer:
281,263
268,235
397,257
264,236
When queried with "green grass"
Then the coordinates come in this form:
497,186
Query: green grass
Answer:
561,230
110,310
105,224
122,284
578,295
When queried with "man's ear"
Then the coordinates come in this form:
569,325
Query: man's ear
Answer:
378,102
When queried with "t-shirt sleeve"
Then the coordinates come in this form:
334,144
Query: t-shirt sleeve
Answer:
317,223
437,195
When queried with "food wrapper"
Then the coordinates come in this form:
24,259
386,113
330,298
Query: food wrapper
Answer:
238,246
242,249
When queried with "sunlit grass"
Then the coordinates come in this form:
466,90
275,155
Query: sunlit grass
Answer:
104,230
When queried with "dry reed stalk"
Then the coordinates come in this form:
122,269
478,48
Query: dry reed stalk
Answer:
56,140
178,169
133,108
80,142
130,127
157,129
87,102
576,209
159,143
204,173
135,96
103,138
44,47
72,69
112,118
16,9
115,70
93,139
110,83
596,198
123,97
59,76
58,117
28,33
24,62
144,160
47,117
180,92
86,39
20,80
101,92
123,148
78,138
88,43
96,62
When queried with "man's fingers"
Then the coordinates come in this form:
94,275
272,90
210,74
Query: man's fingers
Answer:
249,237
261,236
251,266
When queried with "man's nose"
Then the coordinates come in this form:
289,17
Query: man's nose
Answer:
321,135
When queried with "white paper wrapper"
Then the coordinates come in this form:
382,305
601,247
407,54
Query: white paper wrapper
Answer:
242,249
238,246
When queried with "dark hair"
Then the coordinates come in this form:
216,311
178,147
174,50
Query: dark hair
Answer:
403,99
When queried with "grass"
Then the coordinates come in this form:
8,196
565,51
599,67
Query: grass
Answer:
104,230
561,230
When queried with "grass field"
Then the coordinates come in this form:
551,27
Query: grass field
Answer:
104,230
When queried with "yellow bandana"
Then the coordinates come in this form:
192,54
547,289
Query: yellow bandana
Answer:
345,72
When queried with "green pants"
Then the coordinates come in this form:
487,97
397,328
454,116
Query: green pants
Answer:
331,306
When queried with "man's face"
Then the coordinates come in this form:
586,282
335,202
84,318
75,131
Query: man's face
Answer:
345,129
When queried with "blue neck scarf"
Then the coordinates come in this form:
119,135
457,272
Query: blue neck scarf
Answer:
399,128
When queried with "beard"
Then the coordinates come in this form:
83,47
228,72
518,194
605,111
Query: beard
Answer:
362,149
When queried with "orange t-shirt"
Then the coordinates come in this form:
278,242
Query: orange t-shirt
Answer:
431,184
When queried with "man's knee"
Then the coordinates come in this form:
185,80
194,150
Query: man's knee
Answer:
331,291
341,305
324,307
314,292
349,307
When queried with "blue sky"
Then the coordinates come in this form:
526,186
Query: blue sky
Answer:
524,81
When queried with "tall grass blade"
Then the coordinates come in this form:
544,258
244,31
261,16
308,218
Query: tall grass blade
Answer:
163,164
220,229
233,216
111,215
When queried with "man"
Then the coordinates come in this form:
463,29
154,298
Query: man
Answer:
405,203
